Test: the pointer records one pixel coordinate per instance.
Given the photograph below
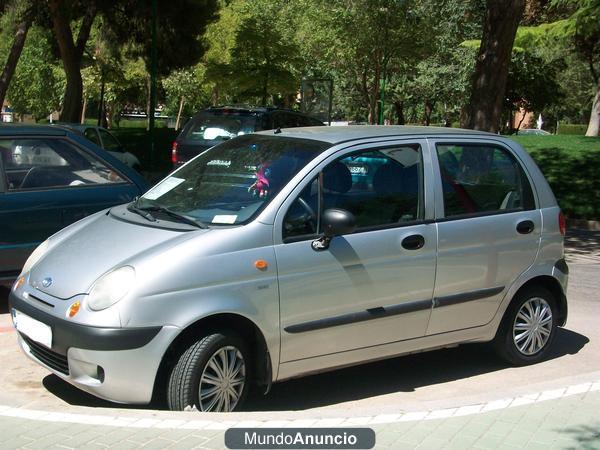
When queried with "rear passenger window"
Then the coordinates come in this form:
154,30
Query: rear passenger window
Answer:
380,187
482,179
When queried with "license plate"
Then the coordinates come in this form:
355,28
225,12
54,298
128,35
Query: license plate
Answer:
33,329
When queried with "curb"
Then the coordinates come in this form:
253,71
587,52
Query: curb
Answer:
208,424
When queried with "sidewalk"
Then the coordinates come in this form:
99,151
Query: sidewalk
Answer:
568,422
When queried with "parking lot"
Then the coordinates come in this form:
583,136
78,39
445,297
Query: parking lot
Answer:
439,383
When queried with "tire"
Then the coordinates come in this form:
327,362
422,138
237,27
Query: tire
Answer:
512,342
197,366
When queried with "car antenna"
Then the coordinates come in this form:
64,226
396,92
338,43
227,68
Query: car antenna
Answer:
277,131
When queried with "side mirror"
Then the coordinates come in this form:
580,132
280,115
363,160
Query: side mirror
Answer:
336,222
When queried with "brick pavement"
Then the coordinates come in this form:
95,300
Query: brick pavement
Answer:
566,423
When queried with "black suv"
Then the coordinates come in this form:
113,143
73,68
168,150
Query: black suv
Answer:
213,125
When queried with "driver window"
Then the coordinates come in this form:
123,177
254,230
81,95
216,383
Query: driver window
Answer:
46,163
301,218
380,188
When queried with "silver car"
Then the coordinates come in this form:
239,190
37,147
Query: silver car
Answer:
284,253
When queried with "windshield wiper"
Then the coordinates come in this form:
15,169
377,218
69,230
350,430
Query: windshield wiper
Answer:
145,214
181,217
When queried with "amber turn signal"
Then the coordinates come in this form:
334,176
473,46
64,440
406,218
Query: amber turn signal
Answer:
74,309
261,264
19,283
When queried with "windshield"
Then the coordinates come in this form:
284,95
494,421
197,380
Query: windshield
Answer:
220,126
232,182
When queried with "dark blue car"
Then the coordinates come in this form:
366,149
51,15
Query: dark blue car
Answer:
49,178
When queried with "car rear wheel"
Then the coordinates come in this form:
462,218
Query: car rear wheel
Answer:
528,327
212,375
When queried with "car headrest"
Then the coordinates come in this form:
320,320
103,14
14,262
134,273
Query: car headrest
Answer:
337,178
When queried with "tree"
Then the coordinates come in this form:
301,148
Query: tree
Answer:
181,25
578,33
38,82
63,12
484,110
584,27
438,83
262,60
23,13
361,44
185,93
532,83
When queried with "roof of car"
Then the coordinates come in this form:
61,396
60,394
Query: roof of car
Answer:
36,130
335,135
251,109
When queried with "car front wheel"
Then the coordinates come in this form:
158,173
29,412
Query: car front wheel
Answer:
528,327
212,375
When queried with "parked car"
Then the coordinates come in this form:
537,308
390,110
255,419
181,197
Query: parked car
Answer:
532,132
265,259
106,140
49,178
214,125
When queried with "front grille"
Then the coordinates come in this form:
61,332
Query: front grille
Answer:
52,359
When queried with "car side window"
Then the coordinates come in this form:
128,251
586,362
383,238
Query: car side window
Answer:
92,135
110,142
48,163
482,179
380,188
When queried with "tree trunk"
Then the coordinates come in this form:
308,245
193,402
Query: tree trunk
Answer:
101,105
399,106
71,54
179,113
83,110
427,112
484,110
13,56
594,124
148,102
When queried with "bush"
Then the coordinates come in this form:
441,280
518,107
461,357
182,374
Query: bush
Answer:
571,129
139,142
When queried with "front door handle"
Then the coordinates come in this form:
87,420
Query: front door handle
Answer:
413,242
525,227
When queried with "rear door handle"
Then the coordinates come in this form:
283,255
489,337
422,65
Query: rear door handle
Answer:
525,227
413,242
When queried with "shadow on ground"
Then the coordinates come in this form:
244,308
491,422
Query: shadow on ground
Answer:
403,374
582,242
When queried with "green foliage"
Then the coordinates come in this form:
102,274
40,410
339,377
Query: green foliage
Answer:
180,28
570,164
532,83
259,65
38,82
186,84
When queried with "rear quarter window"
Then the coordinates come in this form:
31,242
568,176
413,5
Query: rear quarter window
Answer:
482,178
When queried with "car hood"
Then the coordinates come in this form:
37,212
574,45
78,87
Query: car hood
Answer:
80,254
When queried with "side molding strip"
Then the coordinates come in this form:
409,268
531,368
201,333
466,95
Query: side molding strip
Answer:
361,316
455,299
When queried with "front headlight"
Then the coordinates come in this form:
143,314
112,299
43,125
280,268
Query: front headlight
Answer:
110,288
35,256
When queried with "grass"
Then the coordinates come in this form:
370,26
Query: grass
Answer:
571,165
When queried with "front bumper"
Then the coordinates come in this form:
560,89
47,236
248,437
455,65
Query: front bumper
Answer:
116,364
